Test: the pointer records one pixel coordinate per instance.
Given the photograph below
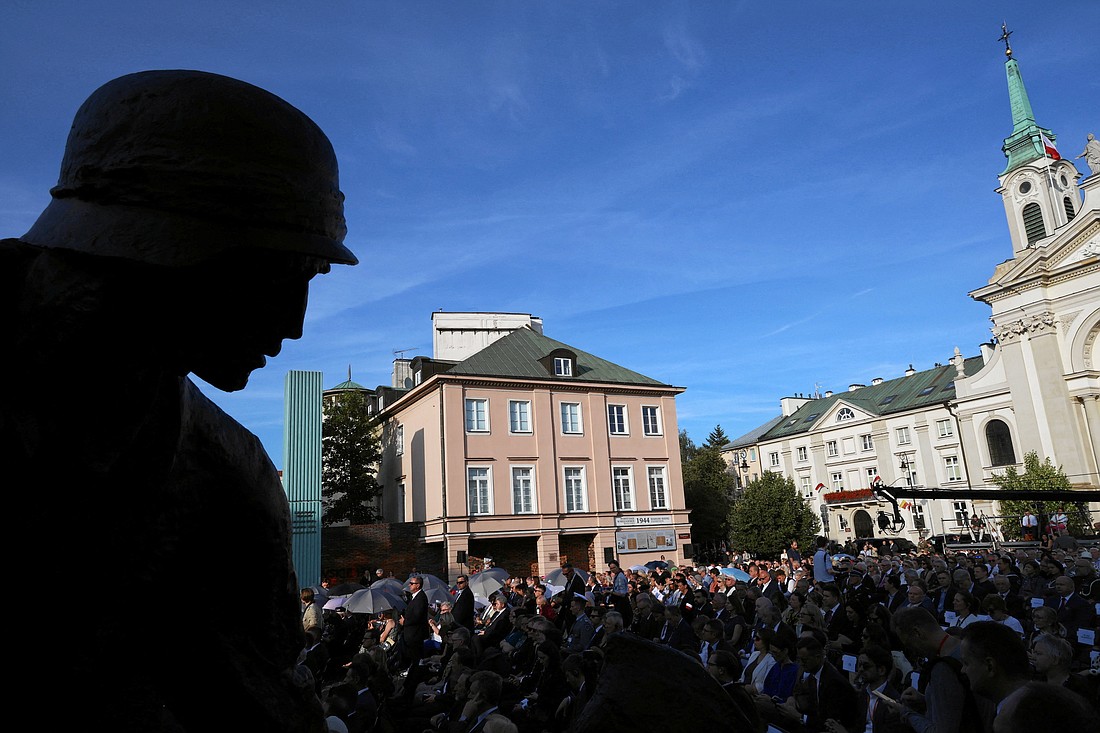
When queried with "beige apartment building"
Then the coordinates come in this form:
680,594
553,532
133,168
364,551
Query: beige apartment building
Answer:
530,451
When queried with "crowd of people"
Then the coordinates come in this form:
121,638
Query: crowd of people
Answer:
879,642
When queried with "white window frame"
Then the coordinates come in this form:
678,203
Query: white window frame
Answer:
804,485
399,439
836,479
844,414
567,424
651,420
658,491
952,469
866,442
803,453
871,473
517,487
485,483
563,366
580,479
944,428
773,458
623,496
476,425
832,448
515,426
904,438
617,423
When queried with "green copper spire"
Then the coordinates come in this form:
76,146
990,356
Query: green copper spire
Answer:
1024,144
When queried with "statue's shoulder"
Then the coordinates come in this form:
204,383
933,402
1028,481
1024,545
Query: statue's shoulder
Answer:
219,437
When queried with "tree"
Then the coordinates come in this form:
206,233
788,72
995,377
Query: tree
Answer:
688,448
770,515
1040,476
350,451
717,438
708,486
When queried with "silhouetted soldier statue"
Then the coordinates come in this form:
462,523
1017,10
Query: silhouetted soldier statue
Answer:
191,212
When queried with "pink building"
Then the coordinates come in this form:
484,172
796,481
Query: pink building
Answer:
531,452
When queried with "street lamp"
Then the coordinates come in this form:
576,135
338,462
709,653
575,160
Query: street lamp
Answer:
744,467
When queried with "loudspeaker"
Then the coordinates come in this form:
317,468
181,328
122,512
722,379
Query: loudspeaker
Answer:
689,550
609,555
461,557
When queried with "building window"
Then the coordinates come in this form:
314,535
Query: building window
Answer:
563,367
831,449
805,485
944,428
837,481
903,436
523,490
576,494
773,458
1033,222
658,499
519,416
999,440
571,418
802,453
1067,204
479,491
951,468
399,439
918,517
872,474
651,420
845,413
477,416
623,488
962,514
865,442
616,419
417,376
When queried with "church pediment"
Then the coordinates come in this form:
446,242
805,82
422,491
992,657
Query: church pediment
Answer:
842,411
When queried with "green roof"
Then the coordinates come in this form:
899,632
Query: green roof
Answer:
931,387
347,385
517,355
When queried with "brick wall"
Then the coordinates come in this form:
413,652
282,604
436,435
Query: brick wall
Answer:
347,551
579,549
517,555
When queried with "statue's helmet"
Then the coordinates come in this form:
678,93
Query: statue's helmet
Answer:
175,167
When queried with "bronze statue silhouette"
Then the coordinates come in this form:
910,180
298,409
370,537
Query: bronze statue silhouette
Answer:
191,212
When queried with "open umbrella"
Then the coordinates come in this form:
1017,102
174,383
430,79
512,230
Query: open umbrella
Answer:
657,564
438,595
557,577
335,602
345,589
499,573
639,568
392,586
736,573
483,584
373,600
553,590
430,582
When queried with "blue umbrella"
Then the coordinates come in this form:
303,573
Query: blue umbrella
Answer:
736,574
655,564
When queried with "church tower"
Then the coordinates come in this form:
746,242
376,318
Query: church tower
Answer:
1039,188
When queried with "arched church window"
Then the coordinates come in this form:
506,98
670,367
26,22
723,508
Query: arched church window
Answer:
845,413
1067,203
999,439
1033,222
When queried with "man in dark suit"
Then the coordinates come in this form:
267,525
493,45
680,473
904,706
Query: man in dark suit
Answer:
770,589
821,693
497,629
875,665
414,622
463,608
836,619
895,595
1074,612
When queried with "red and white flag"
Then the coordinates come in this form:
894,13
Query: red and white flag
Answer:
1048,147
819,487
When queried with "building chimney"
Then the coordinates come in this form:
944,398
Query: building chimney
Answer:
854,387
910,371
828,393
876,381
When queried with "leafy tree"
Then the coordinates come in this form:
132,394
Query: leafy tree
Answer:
708,486
1041,476
350,451
717,438
770,515
688,448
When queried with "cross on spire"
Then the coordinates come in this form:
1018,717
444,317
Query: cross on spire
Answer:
1005,33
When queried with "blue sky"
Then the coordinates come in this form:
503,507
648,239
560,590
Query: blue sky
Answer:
743,199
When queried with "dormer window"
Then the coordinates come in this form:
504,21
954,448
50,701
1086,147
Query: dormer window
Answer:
563,366
845,413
